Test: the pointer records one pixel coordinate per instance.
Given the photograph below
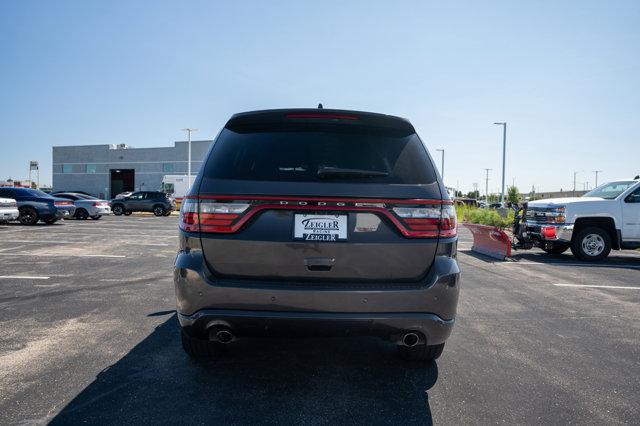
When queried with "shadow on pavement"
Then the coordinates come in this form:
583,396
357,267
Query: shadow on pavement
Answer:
358,380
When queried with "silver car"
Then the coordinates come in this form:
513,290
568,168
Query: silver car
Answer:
86,205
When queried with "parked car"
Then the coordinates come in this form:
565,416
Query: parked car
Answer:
35,205
87,206
8,210
159,203
605,218
70,192
123,195
317,222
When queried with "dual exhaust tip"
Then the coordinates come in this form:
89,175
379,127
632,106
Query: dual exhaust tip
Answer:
224,336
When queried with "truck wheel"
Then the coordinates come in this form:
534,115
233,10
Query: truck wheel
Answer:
28,216
158,210
198,348
421,352
556,248
591,244
81,214
118,209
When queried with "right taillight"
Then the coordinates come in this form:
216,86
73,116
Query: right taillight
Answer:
428,222
209,216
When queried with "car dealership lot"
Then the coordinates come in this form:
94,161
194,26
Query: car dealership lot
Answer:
89,334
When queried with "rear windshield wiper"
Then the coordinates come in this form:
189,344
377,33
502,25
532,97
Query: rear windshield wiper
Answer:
336,172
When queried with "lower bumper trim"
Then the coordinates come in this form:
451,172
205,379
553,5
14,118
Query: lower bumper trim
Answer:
388,326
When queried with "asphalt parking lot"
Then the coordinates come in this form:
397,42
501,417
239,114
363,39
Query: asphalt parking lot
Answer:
89,334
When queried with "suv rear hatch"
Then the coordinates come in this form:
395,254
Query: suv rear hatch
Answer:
318,195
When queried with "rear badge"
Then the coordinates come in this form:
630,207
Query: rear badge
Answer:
315,227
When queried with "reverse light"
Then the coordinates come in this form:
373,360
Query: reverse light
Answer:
429,221
205,216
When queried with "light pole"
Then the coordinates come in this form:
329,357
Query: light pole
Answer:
189,130
575,173
596,172
504,154
486,188
442,167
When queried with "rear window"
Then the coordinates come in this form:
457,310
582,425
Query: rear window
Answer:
296,153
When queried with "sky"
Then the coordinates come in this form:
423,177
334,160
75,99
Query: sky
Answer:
565,76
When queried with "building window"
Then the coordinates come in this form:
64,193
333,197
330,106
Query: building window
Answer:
167,167
67,168
91,168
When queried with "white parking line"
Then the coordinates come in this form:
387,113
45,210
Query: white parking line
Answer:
77,242
62,255
589,265
597,286
21,277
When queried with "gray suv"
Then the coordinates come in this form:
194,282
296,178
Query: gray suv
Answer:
317,222
159,203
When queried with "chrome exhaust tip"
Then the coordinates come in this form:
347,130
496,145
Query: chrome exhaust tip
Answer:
224,336
410,339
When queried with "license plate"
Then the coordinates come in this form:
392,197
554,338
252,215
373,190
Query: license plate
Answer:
320,227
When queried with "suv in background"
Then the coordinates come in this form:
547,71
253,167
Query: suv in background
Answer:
317,222
35,205
159,203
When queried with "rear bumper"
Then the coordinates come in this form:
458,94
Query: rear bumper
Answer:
380,309
388,326
99,211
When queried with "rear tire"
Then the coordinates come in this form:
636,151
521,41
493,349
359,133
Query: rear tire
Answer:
118,209
198,348
421,352
50,221
127,213
82,214
557,249
159,211
96,217
167,214
28,216
591,244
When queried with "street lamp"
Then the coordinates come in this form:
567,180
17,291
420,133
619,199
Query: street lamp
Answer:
442,167
189,130
596,172
504,154
575,173
486,196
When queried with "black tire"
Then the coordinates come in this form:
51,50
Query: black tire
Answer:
167,213
556,249
82,214
198,348
591,244
421,352
28,216
118,209
128,212
96,217
159,210
50,221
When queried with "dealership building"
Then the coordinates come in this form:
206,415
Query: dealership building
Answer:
107,170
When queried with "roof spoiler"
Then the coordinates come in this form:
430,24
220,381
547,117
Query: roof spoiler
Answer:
320,116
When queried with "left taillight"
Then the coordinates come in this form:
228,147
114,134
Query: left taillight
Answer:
428,221
62,203
210,216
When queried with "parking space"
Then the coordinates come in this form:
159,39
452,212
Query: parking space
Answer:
89,334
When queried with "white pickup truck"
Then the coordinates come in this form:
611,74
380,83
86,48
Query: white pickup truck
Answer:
603,219
8,210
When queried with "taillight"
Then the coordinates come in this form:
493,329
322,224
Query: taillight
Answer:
13,204
428,222
100,204
209,216
62,203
